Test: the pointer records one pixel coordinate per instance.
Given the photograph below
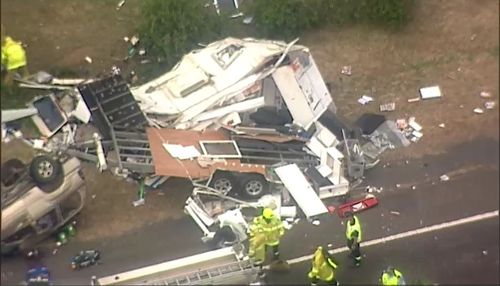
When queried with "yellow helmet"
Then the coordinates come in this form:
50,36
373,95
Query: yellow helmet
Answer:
268,213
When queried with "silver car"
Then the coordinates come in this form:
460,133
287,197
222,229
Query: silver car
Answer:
38,199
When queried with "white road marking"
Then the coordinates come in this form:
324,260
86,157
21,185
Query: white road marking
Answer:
418,231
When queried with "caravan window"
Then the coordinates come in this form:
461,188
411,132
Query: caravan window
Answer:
227,55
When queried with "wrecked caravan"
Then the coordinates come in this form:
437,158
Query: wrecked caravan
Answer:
241,117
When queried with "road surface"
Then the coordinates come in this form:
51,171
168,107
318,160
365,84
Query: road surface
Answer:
442,256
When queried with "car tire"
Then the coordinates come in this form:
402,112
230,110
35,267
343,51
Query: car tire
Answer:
45,170
11,171
223,182
253,186
223,237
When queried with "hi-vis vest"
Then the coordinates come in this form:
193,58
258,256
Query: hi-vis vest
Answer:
273,230
13,54
393,279
351,228
321,268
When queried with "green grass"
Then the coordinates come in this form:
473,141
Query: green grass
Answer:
420,65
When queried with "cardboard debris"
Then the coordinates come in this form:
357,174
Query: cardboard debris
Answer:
388,107
365,99
489,104
430,92
347,70
478,110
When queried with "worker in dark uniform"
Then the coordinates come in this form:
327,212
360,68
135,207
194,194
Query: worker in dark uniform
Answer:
354,236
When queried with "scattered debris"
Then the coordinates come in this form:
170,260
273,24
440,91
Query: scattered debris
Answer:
248,20
315,222
401,123
138,202
413,187
120,4
415,99
365,99
395,213
489,104
430,92
330,245
442,125
134,40
485,252
93,197
485,94
444,178
473,37
346,70
88,59
398,186
56,249
478,110
126,39
388,107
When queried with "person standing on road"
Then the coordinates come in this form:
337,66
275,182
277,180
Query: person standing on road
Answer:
271,226
323,268
354,236
392,277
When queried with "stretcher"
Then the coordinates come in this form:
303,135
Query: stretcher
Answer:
353,207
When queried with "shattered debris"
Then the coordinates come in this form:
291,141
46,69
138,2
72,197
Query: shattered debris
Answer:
485,94
346,70
430,92
478,110
489,104
388,107
444,178
365,99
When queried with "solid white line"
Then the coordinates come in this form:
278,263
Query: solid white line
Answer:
422,230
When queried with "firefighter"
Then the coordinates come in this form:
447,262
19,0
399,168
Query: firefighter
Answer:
323,268
392,277
257,251
271,226
354,236
13,59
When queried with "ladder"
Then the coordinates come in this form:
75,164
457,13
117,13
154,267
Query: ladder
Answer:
208,276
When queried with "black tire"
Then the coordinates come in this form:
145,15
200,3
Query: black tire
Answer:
223,237
11,171
223,182
253,186
45,170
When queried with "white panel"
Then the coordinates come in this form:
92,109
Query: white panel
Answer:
293,96
300,189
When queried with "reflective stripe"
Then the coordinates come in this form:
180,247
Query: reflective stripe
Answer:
351,228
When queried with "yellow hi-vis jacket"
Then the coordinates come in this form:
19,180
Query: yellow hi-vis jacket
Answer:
322,268
257,248
352,228
13,54
273,230
393,279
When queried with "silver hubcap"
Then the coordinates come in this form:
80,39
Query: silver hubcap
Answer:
223,185
254,187
45,169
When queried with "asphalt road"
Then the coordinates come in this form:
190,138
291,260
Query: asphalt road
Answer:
445,256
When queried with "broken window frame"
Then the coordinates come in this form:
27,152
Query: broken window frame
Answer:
206,154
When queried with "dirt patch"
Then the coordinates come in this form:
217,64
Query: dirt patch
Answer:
437,48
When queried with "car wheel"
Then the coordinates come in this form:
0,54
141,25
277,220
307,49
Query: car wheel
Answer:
222,182
44,169
253,186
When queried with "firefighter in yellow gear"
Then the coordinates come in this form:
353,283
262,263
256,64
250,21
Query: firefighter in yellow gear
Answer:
323,268
271,226
257,251
13,58
392,277
354,235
